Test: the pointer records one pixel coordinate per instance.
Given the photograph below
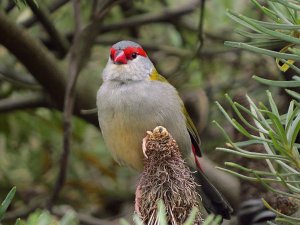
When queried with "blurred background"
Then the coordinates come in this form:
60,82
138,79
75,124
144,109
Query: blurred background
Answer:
49,46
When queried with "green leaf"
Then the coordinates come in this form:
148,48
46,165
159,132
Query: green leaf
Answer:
263,128
294,94
271,44
267,11
297,78
256,36
124,222
295,219
18,221
257,114
247,143
290,65
294,130
253,155
279,11
272,104
191,218
208,220
69,218
137,220
277,83
234,17
289,4
7,202
262,51
162,220
289,115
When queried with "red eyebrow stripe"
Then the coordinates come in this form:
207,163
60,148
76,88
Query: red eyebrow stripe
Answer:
112,51
129,50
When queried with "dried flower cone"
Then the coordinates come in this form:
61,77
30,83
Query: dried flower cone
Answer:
165,177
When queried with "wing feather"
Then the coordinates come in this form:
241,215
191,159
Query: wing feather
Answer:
189,123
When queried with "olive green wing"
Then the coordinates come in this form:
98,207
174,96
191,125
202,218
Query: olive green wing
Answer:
189,123
193,133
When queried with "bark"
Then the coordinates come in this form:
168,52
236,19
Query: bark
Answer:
44,67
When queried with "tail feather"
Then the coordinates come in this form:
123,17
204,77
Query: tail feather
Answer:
212,199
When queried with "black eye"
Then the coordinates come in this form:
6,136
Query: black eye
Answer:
134,55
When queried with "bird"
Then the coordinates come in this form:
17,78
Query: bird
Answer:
134,98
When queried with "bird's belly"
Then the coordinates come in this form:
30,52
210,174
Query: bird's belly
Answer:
128,128
126,114
126,146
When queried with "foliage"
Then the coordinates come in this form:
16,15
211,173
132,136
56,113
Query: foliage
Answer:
38,217
161,218
275,131
31,135
44,217
6,202
278,38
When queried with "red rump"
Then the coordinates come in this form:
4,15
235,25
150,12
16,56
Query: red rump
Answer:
196,159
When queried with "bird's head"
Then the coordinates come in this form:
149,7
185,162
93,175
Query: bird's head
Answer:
127,62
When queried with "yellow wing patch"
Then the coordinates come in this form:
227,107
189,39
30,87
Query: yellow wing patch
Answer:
156,76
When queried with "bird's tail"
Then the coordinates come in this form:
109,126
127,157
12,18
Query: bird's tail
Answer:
212,199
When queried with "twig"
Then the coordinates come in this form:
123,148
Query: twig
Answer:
76,5
24,211
17,78
200,28
52,8
189,59
94,9
44,67
79,54
134,21
164,16
23,102
68,108
42,15
10,6
128,10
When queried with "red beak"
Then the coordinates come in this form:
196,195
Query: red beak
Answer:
119,57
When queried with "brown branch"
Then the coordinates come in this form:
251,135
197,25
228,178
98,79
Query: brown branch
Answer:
24,211
45,68
23,102
200,28
164,16
87,36
33,55
61,43
52,8
79,54
10,6
17,78
68,108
